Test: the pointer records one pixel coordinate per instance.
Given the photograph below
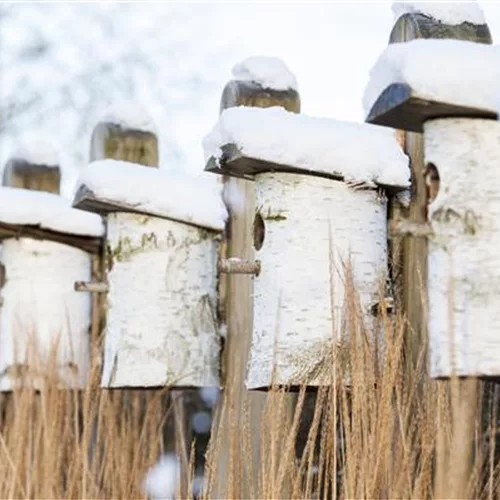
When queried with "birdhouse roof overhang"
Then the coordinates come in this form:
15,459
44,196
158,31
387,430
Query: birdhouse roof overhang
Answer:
47,216
109,186
234,163
400,107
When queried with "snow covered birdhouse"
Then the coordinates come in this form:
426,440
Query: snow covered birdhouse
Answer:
163,234
456,112
46,246
319,207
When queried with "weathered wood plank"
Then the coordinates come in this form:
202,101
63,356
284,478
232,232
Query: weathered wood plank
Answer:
400,107
237,404
88,243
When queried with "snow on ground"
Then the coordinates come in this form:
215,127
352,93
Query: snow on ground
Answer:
270,72
47,210
359,152
448,13
162,479
452,71
192,199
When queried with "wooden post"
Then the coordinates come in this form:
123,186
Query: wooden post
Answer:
454,469
20,173
235,294
408,256
116,142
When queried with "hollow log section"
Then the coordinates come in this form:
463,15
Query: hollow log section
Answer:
464,262
305,250
161,321
408,256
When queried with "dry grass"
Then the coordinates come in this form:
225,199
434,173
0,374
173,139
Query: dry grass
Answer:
380,430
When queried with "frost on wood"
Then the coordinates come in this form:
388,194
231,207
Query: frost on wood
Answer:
464,262
191,199
410,62
44,323
270,72
161,324
48,211
356,151
448,13
303,269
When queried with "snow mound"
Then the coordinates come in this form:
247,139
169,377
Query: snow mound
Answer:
191,199
447,13
358,151
270,72
129,115
48,211
452,71
37,152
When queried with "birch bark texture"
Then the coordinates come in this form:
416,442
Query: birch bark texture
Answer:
161,321
463,261
308,230
44,323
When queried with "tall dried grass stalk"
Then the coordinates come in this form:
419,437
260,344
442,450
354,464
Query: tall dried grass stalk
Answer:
378,430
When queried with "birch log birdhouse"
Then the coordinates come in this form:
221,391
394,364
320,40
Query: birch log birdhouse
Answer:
319,211
46,246
461,149
163,235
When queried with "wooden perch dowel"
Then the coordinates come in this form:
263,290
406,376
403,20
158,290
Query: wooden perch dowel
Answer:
238,266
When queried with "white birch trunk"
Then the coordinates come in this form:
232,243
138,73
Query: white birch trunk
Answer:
464,255
313,226
44,323
161,322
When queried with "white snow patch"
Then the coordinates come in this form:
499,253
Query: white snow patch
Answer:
48,211
201,422
36,152
452,71
162,480
210,395
270,72
356,151
448,13
191,199
129,115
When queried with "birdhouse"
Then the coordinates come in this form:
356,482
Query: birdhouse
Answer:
163,234
46,246
321,208
461,149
